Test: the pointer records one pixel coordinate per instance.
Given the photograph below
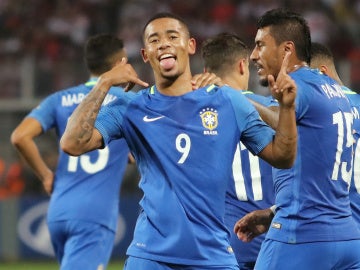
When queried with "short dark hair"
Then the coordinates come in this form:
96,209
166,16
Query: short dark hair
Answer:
220,52
286,25
320,50
101,51
169,15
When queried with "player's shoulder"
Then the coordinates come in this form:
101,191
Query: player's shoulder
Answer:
352,95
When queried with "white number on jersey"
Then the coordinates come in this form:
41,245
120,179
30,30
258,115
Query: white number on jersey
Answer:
239,177
338,119
87,165
183,144
357,166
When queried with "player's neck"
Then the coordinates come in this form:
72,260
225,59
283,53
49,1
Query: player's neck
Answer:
235,81
175,87
297,66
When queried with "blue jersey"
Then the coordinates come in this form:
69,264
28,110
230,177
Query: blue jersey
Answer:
313,196
354,192
184,147
86,187
249,190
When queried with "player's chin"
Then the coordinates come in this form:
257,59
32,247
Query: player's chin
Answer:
170,74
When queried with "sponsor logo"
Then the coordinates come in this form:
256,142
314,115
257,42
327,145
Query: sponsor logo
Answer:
34,233
147,119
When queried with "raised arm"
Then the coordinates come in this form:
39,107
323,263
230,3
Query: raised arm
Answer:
80,136
281,152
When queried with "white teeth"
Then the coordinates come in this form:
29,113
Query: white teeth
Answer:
166,56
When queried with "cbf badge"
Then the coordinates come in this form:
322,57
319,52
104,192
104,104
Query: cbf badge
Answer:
209,120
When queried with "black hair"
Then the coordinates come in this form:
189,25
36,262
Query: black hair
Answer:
101,51
321,50
166,15
221,51
288,26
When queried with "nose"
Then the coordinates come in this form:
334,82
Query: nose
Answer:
164,43
254,55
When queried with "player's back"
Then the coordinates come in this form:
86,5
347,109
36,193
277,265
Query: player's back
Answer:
81,181
354,191
250,189
312,197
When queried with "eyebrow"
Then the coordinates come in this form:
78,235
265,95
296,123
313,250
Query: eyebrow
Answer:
167,32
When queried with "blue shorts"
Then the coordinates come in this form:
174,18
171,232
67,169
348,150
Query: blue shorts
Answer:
81,245
339,255
135,263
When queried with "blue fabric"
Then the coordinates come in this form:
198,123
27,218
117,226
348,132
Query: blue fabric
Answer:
81,245
250,189
339,255
312,197
184,147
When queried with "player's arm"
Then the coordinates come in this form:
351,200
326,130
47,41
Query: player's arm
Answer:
281,152
270,115
23,140
80,136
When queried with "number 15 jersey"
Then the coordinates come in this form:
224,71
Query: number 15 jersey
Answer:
312,197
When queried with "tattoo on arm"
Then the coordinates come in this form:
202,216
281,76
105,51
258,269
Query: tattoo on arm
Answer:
88,111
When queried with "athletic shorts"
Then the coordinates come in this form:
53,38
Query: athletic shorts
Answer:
339,255
135,263
81,245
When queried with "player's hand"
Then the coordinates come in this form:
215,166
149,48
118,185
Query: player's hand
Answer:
203,79
48,182
284,88
123,74
253,224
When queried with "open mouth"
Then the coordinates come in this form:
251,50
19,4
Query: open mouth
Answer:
167,61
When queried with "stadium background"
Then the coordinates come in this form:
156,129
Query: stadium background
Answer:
41,52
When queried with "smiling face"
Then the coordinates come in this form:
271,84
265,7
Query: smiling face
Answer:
167,47
267,55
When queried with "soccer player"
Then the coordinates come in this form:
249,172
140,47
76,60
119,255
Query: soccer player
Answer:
323,59
84,203
183,142
313,214
251,187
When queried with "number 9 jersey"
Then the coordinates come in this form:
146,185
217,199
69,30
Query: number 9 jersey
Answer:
184,147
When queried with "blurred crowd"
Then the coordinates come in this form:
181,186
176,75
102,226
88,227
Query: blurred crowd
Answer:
41,41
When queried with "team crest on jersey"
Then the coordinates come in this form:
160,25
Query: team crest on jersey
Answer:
209,120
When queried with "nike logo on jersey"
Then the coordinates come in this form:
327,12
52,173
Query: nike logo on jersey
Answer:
147,119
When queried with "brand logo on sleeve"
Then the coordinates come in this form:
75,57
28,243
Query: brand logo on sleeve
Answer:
276,225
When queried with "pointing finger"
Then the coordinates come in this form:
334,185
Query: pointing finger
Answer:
285,63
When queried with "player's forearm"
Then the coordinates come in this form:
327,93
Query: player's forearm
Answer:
269,116
285,142
77,138
30,152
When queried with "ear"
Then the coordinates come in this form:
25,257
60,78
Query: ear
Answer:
289,46
324,70
192,46
144,55
242,66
